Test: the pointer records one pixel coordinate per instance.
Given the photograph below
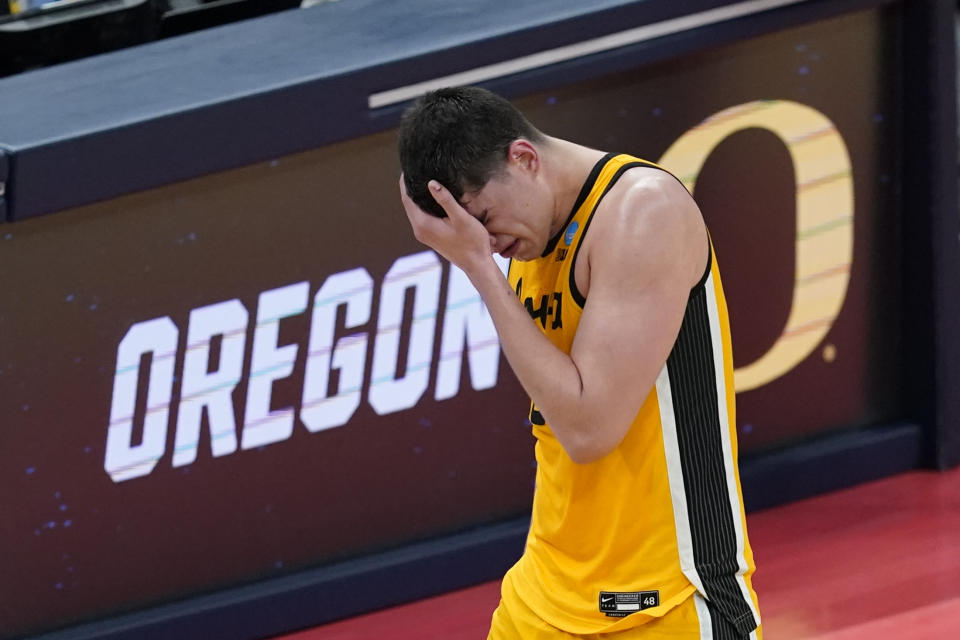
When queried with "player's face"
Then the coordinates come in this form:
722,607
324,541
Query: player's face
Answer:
517,210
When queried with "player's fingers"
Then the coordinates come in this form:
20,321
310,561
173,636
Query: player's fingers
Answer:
446,200
425,227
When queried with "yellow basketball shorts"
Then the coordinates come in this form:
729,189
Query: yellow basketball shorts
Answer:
693,619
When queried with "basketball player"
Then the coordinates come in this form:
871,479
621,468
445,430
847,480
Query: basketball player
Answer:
615,323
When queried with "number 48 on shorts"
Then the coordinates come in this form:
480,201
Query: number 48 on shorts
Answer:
618,604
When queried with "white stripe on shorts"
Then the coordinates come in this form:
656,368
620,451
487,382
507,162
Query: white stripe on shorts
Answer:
703,614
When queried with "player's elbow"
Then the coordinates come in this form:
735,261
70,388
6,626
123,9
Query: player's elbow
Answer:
590,434
587,450
582,455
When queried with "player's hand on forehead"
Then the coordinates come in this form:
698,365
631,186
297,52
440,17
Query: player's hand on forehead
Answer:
460,238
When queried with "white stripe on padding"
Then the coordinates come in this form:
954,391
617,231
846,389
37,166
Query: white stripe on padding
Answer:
703,614
729,463
576,50
671,447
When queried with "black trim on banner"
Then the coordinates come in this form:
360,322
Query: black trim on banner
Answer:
931,228
4,179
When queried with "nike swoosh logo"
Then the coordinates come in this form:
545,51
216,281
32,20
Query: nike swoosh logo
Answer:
606,599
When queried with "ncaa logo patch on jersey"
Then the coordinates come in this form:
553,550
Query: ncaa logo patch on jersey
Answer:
571,232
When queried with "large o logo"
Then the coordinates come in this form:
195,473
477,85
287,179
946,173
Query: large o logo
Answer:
824,239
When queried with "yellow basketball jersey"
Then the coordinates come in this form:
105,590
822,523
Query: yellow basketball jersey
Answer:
622,540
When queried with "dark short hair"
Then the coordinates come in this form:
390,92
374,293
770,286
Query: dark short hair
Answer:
459,137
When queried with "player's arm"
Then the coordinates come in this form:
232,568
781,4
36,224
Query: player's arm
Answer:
645,255
641,270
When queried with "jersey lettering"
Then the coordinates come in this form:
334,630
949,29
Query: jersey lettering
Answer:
540,312
557,300
547,309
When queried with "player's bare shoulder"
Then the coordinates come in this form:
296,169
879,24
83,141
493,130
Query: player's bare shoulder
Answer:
649,217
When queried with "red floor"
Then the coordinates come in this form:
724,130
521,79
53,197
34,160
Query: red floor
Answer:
876,562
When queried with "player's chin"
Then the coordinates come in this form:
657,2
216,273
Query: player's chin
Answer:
526,252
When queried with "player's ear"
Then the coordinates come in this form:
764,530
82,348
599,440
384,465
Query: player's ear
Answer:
524,154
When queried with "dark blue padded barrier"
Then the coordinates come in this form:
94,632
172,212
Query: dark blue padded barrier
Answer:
830,463
228,97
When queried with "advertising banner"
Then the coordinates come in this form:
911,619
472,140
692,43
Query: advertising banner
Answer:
258,371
